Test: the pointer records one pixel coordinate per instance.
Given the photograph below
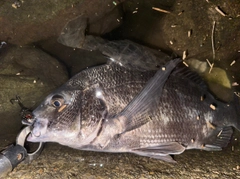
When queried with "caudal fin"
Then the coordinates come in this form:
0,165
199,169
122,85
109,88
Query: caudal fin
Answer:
236,119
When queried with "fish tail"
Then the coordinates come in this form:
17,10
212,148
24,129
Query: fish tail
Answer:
236,119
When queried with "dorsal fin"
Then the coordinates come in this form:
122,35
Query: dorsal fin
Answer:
181,71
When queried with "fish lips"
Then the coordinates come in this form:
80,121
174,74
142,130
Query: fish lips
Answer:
39,131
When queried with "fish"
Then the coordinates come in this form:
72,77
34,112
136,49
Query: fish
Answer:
156,114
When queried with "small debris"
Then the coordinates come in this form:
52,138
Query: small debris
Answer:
219,133
180,13
171,42
134,12
16,5
212,106
237,94
151,173
19,156
62,107
184,54
163,68
220,11
210,125
189,33
150,118
211,65
235,84
237,168
34,81
232,148
2,44
18,73
202,97
160,10
114,3
233,62
173,25
203,146
185,64
192,140
198,117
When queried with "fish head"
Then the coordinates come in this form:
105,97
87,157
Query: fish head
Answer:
57,118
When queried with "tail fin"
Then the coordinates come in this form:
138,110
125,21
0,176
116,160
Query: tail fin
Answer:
236,105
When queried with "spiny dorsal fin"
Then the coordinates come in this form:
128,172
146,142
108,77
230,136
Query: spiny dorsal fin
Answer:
181,71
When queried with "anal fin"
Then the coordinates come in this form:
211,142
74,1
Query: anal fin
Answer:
161,151
166,158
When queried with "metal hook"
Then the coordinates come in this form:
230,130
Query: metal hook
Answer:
18,100
25,113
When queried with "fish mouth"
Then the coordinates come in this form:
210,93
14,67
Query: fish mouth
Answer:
35,136
38,133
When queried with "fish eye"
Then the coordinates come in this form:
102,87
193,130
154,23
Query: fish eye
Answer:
57,101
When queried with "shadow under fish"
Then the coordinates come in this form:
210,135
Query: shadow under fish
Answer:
132,105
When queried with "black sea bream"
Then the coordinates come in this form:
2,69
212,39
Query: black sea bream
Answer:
110,108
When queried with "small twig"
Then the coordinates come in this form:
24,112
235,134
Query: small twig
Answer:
211,65
220,11
184,54
189,33
185,64
161,10
237,94
233,62
212,38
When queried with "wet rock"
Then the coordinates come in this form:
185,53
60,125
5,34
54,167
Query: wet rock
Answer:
142,24
217,79
75,59
29,73
24,22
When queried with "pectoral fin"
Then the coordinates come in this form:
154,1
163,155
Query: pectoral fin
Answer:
161,151
139,110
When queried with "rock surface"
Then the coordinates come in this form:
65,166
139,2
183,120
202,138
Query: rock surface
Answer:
33,21
29,73
62,162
